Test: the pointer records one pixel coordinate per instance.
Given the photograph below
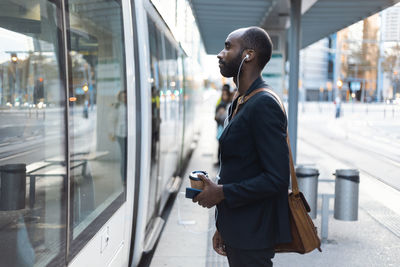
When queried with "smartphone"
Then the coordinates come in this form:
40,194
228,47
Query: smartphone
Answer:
191,192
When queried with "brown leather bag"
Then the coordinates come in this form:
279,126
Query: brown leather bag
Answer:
304,234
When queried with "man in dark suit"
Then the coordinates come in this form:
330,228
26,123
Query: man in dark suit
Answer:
252,214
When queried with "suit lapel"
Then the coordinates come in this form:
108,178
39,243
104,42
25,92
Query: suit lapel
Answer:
221,138
230,112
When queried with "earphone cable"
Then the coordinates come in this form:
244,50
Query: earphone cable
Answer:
238,74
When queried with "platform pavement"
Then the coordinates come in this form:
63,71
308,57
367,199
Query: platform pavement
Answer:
373,240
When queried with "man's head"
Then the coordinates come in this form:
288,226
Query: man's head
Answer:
226,87
253,42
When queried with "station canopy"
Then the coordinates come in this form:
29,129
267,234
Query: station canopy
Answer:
320,18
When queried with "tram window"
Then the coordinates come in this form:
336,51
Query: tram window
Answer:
32,139
97,99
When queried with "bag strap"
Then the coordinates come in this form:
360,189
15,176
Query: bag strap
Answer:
242,100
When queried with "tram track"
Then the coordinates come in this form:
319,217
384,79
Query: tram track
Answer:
336,156
388,159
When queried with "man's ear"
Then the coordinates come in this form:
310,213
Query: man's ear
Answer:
248,55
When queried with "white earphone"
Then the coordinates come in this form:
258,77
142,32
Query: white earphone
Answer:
240,67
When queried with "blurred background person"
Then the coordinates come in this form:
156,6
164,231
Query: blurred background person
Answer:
221,112
338,104
120,131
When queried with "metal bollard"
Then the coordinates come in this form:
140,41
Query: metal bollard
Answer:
308,185
13,186
346,195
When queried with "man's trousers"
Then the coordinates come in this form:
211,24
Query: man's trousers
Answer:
249,258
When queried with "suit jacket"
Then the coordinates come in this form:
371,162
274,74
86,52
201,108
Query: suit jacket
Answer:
255,174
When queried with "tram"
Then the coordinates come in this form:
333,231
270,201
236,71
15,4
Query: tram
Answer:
98,100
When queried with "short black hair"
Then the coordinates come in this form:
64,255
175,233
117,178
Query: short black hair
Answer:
226,87
258,39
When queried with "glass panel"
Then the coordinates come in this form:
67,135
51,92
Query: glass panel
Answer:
32,119
97,112
156,81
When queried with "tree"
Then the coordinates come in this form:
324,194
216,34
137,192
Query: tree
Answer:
391,63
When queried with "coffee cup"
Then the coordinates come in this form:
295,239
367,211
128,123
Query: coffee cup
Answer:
195,181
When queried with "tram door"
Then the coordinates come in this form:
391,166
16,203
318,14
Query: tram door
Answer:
165,111
98,131
97,114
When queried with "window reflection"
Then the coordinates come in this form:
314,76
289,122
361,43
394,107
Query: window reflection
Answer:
119,132
32,155
156,81
97,99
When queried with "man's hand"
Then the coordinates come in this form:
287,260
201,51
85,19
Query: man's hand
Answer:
218,244
211,195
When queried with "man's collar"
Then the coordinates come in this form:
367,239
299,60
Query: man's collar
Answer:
255,85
